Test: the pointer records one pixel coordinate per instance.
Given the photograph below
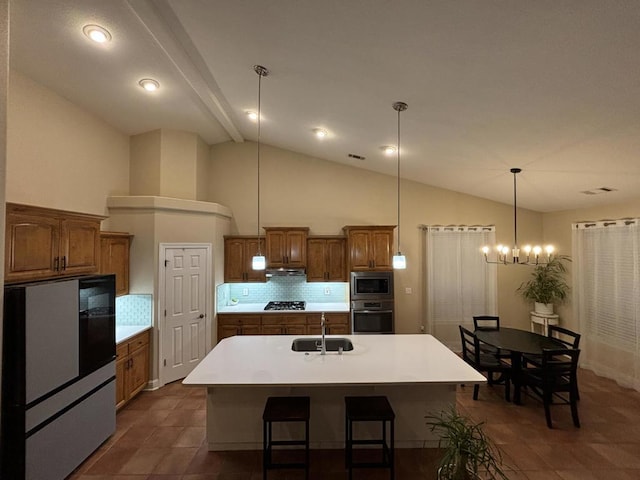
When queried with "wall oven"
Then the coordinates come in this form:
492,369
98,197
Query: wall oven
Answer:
97,322
372,316
371,286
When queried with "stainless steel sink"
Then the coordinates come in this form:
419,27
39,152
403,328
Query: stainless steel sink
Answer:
312,344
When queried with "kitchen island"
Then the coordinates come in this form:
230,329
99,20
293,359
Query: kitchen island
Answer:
417,373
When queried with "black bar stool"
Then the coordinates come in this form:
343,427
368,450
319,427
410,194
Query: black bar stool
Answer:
369,409
284,409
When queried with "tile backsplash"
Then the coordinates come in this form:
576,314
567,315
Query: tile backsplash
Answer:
283,289
133,310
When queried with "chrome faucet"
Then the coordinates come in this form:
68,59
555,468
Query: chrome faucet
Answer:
323,345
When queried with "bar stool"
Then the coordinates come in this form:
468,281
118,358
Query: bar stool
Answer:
369,409
284,409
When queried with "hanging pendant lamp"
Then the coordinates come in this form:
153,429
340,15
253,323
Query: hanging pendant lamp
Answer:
399,260
259,262
532,254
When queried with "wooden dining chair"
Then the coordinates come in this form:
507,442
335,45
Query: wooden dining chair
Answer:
484,362
554,379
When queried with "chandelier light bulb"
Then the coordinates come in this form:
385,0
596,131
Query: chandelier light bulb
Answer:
527,249
537,250
549,249
485,250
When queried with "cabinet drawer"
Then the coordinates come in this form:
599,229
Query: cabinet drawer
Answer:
122,350
329,318
238,320
138,341
284,320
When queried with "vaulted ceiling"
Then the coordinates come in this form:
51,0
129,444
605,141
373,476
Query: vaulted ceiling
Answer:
550,87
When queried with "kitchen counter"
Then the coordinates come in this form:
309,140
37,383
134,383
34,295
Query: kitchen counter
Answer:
417,373
126,332
309,308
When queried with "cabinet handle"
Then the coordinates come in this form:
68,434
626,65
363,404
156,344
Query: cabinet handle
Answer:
56,264
64,263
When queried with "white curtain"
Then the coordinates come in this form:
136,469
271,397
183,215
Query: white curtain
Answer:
606,298
460,284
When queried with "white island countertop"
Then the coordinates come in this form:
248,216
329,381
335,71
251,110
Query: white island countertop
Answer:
267,360
309,308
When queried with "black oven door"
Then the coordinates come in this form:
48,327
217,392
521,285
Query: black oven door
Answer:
371,321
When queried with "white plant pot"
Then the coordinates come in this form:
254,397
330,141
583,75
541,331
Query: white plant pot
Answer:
544,308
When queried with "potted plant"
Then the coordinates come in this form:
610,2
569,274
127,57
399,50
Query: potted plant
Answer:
546,285
468,453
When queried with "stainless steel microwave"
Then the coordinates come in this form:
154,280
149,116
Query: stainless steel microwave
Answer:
371,286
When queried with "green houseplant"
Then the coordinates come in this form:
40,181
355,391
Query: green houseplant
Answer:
547,284
468,453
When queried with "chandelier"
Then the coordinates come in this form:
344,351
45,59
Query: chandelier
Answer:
532,255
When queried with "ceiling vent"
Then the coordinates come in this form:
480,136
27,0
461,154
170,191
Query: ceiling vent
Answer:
357,157
598,191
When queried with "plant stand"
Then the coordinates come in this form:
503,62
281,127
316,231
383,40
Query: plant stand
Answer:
544,320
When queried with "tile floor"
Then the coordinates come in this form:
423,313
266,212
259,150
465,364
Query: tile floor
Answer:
161,436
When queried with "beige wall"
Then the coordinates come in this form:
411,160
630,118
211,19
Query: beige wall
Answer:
59,155
145,155
297,190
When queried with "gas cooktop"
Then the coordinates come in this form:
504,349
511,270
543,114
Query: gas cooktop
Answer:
285,305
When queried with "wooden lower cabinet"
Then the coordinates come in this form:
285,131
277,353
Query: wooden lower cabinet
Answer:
132,367
285,324
230,325
281,324
335,324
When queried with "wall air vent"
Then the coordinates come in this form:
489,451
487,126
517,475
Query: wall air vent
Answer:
357,157
598,191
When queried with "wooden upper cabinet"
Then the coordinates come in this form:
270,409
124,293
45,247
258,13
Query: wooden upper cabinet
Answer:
326,260
369,248
43,243
286,246
114,258
238,254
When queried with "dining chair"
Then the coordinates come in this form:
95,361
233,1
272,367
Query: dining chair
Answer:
489,322
553,378
484,362
564,335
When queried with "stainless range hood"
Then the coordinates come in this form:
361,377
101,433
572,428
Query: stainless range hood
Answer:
285,272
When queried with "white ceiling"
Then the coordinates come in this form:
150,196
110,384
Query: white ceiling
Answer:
550,87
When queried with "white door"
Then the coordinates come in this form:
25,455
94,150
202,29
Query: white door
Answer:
184,332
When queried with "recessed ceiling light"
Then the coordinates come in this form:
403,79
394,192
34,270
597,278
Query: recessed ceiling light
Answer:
253,116
388,149
149,84
319,132
97,33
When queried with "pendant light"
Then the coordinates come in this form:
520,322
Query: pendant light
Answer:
259,262
399,260
503,251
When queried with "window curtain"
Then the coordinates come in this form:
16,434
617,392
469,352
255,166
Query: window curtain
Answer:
459,283
606,298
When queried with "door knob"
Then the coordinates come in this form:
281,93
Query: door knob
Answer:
201,315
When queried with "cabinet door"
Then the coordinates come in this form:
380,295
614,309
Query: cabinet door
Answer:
335,260
121,373
251,249
138,372
316,260
250,330
226,331
295,330
114,258
381,249
272,330
296,248
79,246
234,261
276,248
359,250
31,246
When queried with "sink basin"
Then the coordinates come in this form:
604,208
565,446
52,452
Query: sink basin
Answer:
312,344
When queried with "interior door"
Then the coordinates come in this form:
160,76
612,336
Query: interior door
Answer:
184,333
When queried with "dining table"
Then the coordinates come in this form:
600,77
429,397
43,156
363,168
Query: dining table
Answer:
517,343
